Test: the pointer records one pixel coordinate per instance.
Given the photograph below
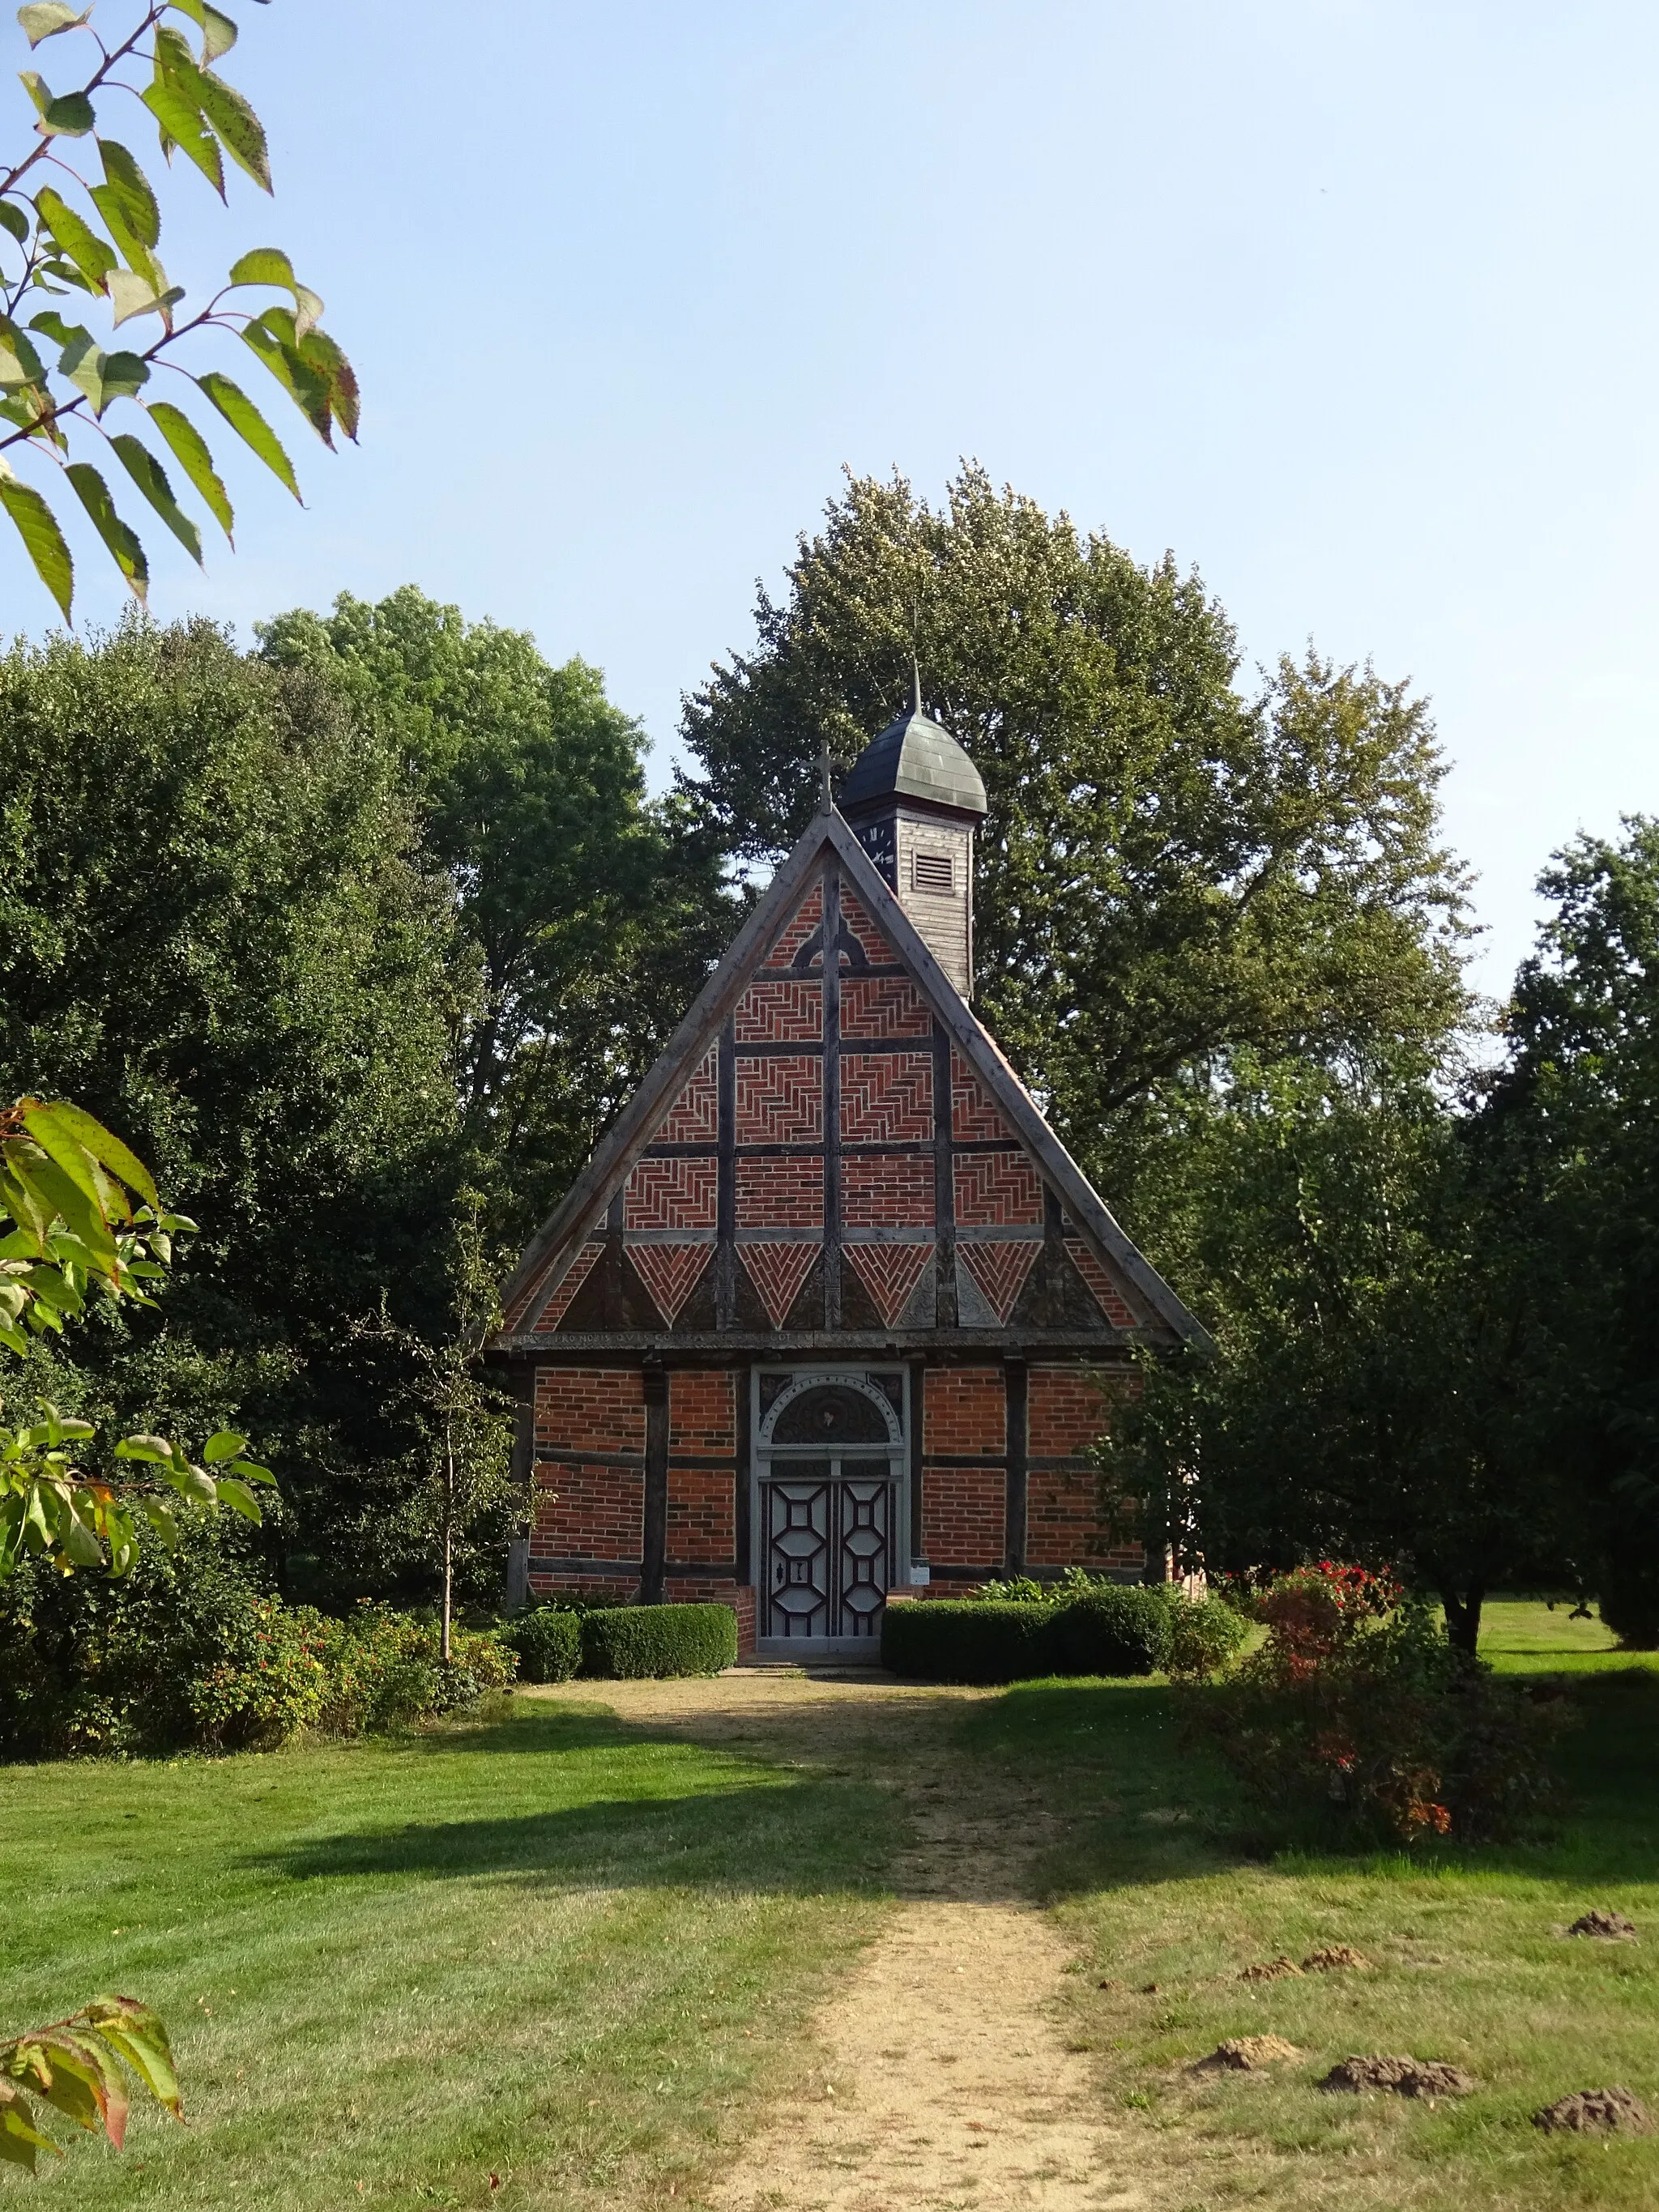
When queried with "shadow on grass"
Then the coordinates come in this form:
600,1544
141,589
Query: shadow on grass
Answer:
773,1834
1150,1803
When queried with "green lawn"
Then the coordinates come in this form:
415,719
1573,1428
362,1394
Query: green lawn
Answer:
552,1948
1469,1961
578,1953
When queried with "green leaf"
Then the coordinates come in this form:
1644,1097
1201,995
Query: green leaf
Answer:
50,1129
20,2139
239,1498
45,19
133,293
322,355
106,1148
147,473
36,89
104,377
125,551
190,451
135,2031
266,335
239,128
156,1448
74,237
71,117
162,1519
269,265
249,424
124,177
12,218
218,31
181,125
223,1443
43,541
20,364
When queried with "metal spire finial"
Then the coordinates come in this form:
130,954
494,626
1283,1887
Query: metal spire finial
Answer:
826,795
916,684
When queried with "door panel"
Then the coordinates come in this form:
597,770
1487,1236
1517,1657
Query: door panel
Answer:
799,1519
864,1558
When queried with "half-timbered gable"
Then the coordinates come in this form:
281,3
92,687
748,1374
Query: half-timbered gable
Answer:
831,1311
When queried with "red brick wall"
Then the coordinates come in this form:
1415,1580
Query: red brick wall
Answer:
700,1513
1066,1413
963,1513
589,1508
700,1416
887,1190
588,1511
597,1589
963,1509
964,1412
597,1409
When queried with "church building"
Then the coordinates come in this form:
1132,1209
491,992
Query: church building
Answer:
832,1314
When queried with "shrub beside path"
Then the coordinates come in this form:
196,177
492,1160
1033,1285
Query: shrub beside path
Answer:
942,2078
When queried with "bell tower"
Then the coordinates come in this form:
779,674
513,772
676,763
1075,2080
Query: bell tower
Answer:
913,799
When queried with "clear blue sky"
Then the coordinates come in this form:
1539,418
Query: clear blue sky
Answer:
1352,306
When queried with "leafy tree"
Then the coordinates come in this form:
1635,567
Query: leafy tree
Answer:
1171,874
1398,1351
243,964
1580,1096
103,241
592,914
463,1422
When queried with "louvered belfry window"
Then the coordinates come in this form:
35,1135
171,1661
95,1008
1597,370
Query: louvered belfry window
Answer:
933,872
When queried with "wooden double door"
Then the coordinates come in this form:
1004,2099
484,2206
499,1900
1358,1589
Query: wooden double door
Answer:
829,1466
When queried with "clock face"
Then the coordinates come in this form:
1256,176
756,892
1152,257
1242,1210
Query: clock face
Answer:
877,841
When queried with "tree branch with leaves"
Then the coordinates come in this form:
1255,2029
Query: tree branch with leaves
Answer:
65,230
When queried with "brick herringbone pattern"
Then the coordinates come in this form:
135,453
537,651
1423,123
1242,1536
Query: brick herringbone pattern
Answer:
886,1098
889,1272
670,1194
1107,1296
780,1009
670,1273
877,950
973,1114
780,1101
566,1287
796,931
779,1193
778,1271
695,1116
887,1190
1001,1270
996,1190
884,1006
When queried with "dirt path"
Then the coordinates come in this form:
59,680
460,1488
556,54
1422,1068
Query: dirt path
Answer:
946,2082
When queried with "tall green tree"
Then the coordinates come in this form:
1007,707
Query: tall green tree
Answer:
1399,1350
1580,1094
217,932
1171,873
591,913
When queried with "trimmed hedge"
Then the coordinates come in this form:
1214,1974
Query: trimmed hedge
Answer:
1113,1628
627,1642
970,1640
548,1643
1121,1628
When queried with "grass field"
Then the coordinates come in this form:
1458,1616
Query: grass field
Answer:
549,1948
1469,1960
578,1954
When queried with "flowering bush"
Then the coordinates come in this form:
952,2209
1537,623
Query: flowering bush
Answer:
1356,1714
